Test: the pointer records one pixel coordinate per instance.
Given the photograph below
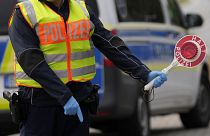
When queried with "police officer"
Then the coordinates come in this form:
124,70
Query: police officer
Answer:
53,43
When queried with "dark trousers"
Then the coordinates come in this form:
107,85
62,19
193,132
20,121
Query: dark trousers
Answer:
44,116
51,121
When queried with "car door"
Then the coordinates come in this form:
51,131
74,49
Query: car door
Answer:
177,92
151,30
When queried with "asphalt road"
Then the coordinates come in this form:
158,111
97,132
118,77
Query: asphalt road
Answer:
164,126
172,126
168,126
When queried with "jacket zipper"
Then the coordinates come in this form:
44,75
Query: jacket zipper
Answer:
68,47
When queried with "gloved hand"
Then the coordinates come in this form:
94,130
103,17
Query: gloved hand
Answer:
159,81
72,108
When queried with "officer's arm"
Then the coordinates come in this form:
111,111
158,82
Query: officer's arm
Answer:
115,50
26,46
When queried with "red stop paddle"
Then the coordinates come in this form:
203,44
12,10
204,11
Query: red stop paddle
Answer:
190,51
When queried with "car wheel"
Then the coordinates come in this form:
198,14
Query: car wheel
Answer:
139,123
199,116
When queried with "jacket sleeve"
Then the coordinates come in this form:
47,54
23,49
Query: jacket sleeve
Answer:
28,54
115,50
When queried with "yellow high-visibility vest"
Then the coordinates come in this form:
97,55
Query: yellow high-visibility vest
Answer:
67,46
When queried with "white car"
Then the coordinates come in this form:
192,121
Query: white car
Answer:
150,29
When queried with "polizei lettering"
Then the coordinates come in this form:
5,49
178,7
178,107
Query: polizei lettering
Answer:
182,61
50,33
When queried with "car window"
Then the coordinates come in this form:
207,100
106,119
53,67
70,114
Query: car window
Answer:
139,10
5,13
93,5
175,13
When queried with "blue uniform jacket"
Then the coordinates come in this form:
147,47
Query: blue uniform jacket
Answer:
26,46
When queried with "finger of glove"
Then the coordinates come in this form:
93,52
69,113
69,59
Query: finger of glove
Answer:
163,77
79,114
157,83
154,74
68,108
65,112
71,111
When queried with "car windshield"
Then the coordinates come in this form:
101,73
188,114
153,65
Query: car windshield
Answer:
139,10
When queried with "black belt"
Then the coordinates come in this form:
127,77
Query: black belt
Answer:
39,97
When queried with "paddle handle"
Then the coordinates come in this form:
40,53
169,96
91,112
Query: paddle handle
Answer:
150,85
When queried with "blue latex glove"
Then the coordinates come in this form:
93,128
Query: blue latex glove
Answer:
159,81
72,108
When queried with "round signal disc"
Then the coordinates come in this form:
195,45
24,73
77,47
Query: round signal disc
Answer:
190,51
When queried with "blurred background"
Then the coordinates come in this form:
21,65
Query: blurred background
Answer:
150,28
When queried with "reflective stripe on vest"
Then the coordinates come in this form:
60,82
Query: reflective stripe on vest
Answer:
67,46
74,56
63,73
